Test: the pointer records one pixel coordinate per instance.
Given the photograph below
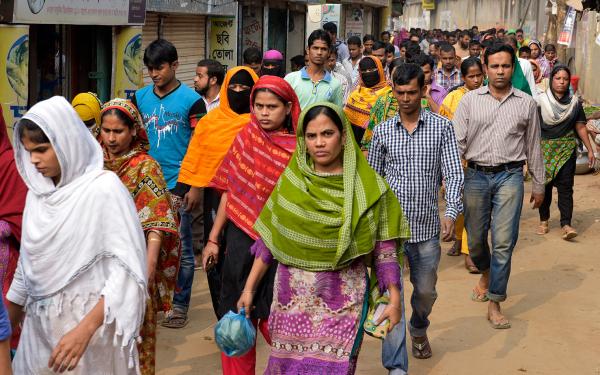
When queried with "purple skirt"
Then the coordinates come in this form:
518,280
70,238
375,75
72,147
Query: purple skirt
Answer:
316,320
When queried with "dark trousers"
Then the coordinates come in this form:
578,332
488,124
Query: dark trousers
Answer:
564,180
212,199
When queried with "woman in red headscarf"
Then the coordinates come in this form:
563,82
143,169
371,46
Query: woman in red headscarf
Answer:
247,176
12,202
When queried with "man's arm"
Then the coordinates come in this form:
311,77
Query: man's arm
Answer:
376,156
452,172
533,150
461,124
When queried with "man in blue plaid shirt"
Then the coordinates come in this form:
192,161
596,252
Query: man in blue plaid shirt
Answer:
413,151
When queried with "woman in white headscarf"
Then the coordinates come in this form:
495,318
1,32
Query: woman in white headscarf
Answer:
81,276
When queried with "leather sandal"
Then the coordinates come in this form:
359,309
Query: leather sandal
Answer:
542,228
568,232
421,350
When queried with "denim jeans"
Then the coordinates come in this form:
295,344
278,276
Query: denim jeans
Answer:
423,259
493,201
393,352
185,278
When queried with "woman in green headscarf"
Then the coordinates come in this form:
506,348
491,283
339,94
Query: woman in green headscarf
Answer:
327,215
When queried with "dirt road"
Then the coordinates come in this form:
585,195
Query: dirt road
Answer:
553,304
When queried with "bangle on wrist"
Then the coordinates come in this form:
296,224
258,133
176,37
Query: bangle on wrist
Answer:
212,242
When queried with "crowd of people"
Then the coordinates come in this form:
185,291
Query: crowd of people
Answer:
303,196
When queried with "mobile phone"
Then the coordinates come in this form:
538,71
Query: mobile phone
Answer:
210,264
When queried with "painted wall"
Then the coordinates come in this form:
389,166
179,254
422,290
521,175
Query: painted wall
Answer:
586,53
453,14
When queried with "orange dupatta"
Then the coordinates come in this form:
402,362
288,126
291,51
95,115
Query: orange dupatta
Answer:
212,138
362,99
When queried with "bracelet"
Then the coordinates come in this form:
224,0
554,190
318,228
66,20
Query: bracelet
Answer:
212,242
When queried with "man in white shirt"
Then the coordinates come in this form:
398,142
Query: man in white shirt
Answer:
356,54
208,80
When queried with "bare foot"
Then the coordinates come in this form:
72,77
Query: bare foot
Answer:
495,316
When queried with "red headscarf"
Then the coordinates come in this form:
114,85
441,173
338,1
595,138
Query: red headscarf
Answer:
12,188
256,159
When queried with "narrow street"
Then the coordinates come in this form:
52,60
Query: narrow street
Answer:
553,305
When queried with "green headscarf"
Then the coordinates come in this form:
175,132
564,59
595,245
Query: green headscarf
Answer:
518,78
322,222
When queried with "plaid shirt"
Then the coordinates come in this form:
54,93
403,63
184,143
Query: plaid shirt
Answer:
446,82
414,164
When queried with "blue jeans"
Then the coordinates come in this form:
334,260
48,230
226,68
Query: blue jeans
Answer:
185,278
393,352
423,259
493,201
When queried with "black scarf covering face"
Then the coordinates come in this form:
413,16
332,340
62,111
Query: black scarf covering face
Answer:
239,101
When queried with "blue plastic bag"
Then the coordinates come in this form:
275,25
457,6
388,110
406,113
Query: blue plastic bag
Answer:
235,334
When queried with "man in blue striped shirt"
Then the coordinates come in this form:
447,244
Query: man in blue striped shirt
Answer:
413,151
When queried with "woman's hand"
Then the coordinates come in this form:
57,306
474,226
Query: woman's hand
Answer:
591,158
211,249
245,302
391,312
70,348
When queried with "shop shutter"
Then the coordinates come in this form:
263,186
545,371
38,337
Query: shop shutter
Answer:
149,34
186,32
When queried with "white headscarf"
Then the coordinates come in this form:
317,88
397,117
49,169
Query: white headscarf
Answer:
88,216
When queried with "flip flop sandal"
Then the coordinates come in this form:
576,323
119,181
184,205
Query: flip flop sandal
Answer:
176,319
421,350
479,295
454,251
499,325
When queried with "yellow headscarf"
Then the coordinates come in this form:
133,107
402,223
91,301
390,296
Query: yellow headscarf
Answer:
87,105
361,101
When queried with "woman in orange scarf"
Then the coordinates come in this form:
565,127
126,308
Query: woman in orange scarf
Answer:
212,139
372,85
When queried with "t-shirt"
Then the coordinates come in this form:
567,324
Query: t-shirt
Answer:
169,122
5,330
565,127
328,89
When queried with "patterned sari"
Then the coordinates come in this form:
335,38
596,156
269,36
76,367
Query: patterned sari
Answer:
384,109
142,176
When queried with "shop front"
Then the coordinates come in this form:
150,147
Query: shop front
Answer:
65,47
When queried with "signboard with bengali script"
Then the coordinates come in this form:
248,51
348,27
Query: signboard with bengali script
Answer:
79,12
222,43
